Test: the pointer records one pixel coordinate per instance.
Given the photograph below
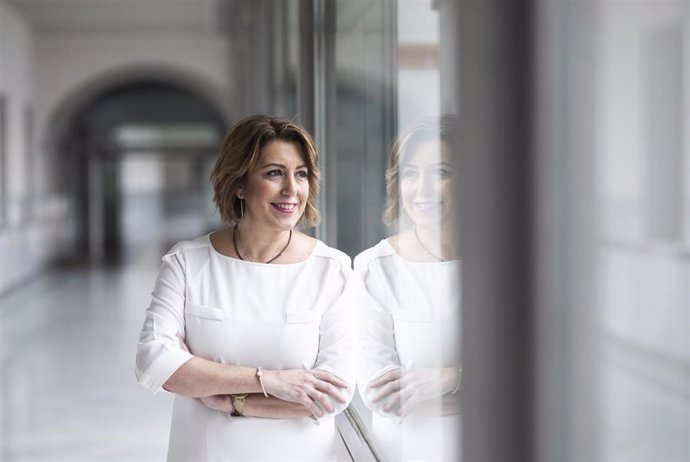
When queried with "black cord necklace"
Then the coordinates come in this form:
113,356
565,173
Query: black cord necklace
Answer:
234,244
424,247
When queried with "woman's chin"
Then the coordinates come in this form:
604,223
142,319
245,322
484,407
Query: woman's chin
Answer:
275,222
286,223
426,221
433,224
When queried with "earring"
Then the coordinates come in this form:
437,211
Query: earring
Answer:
241,208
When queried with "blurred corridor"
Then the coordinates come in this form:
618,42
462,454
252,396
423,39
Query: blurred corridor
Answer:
73,331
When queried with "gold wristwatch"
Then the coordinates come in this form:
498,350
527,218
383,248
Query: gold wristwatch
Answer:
238,404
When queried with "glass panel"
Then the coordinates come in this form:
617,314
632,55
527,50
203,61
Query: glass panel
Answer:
643,263
615,259
397,172
3,161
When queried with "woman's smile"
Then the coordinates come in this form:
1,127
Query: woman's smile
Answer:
285,207
426,207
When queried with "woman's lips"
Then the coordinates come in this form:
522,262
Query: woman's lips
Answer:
286,208
426,207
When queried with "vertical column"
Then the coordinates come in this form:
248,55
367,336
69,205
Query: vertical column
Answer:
316,101
449,54
686,116
3,161
112,197
496,170
566,44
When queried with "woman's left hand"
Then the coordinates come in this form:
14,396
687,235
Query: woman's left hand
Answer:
399,391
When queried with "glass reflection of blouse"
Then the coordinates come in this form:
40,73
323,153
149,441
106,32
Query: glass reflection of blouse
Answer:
409,364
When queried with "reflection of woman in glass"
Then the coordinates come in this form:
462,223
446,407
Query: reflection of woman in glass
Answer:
258,294
409,370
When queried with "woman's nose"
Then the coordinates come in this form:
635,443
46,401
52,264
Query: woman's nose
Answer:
289,185
426,185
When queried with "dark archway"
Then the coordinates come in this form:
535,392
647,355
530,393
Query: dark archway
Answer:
91,150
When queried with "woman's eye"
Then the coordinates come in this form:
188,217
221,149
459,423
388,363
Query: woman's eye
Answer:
442,172
409,174
274,173
301,174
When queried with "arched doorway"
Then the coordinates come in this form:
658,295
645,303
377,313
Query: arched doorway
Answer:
133,157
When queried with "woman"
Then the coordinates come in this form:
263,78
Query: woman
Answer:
409,370
249,326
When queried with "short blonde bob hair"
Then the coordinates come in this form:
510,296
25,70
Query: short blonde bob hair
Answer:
443,129
240,154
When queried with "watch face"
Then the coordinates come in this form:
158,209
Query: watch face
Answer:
238,404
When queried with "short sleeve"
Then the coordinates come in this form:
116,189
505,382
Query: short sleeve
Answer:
159,353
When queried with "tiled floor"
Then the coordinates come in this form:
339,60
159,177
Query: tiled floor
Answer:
67,348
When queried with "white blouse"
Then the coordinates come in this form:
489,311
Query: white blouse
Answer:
277,316
409,317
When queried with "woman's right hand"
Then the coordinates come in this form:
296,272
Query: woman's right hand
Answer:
310,388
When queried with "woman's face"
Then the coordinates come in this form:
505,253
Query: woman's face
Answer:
276,191
427,179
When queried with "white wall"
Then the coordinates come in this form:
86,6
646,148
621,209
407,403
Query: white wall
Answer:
644,297
26,245
16,83
68,62
47,70
635,145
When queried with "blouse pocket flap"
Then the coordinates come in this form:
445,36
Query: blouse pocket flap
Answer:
309,316
411,315
204,311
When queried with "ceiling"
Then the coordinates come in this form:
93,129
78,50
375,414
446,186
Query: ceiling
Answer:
121,15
